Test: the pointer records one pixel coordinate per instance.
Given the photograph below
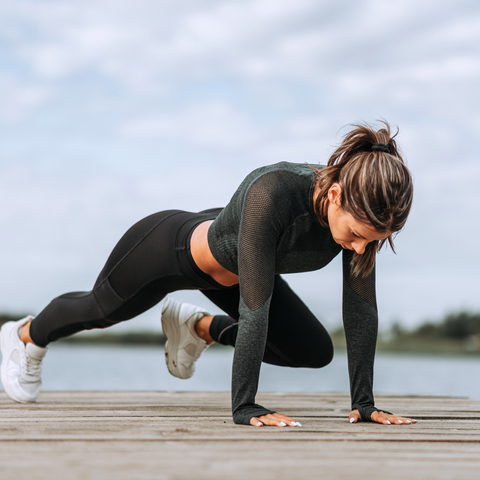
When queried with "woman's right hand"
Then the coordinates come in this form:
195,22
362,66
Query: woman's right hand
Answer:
274,420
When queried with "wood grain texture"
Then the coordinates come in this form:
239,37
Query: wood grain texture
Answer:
190,435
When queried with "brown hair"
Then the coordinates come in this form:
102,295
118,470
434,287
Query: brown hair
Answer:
377,187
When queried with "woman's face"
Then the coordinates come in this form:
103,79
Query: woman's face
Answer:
347,231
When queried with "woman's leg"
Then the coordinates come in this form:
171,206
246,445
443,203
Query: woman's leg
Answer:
295,337
140,271
148,262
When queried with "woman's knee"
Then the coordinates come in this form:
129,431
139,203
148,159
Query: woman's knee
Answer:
318,352
320,355
323,357
316,355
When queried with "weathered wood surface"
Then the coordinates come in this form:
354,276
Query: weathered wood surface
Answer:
180,435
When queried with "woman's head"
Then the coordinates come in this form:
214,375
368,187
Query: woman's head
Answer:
366,190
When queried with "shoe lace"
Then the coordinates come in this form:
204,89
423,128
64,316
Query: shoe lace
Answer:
31,366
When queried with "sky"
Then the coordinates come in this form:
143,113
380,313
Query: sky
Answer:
113,110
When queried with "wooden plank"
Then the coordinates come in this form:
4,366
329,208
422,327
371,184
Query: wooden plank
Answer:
177,435
222,429
178,461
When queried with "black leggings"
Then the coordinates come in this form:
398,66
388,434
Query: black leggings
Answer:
153,259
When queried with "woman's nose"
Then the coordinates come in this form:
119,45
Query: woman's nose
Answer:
359,245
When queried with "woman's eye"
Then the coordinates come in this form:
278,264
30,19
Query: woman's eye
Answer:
355,235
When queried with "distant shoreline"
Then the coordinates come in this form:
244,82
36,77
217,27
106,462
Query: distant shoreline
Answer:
405,345
399,342
411,344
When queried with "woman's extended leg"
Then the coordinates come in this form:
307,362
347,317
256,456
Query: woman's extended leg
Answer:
142,268
148,262
295,337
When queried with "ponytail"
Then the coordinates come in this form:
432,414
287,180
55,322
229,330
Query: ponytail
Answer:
377,187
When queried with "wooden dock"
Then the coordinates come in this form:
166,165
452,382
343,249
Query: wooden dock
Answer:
190,435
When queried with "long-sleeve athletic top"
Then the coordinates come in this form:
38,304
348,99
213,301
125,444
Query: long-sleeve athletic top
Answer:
269,227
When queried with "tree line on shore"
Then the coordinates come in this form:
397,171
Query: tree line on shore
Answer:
456,332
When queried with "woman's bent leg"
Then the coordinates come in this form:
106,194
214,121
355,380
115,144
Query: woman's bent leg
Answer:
295,337
140,271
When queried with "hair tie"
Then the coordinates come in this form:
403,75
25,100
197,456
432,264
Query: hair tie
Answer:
380,147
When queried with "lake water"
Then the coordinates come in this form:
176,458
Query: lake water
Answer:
94,367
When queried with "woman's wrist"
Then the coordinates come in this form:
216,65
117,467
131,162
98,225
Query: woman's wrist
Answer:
243,415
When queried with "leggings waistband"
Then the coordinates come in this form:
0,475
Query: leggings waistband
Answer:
184,254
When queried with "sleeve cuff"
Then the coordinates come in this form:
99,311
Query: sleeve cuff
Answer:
367,410
243,415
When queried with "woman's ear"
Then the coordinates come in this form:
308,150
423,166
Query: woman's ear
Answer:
335,194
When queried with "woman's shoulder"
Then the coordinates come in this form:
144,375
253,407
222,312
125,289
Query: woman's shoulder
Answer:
284,188
280,176
302,169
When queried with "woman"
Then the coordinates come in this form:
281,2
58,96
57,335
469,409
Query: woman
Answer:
283,218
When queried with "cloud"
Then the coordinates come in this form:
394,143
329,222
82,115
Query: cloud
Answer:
149,46
213,125
258,38
20,98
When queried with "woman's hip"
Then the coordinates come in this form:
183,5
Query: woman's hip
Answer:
156,247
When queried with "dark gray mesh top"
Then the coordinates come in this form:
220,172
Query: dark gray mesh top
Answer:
269,227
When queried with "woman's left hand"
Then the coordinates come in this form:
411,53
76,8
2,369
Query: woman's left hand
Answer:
382,417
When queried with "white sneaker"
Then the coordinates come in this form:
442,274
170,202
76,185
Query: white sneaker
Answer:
21,364
183,346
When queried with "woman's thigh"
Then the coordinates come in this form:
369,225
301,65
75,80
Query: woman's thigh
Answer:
148,262
142,268
295,336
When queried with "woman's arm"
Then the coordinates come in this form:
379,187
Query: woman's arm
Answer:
360,319
260,227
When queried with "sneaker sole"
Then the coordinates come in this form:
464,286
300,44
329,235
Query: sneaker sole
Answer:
171,330
3,373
